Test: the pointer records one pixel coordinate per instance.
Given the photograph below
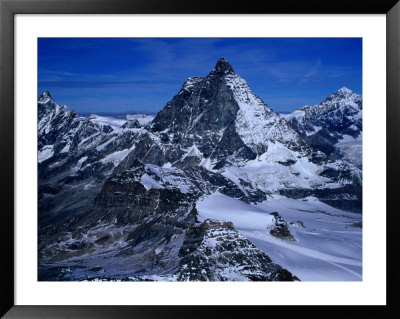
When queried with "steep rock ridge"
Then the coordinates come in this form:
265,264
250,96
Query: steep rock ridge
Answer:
62,133
215,251
60,130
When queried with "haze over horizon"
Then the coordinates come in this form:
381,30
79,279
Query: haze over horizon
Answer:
93,75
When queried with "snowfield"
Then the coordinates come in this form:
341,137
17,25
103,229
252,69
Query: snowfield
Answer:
114,122
224,208
328,248
351,148
46,153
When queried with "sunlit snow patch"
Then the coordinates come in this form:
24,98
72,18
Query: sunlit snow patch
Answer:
149,182
116,157
46,152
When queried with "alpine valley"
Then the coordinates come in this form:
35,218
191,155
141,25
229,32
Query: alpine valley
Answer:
216,187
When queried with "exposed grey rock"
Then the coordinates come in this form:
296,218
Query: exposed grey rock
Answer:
132,124
280,229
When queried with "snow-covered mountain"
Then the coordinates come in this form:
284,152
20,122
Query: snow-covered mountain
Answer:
76,155
218,123
218,118
114,193
333,126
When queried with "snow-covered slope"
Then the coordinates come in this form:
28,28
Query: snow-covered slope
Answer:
255,122
327,243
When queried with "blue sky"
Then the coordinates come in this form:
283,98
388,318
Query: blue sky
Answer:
143,74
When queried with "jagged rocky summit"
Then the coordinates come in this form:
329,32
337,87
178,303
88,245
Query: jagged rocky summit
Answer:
118,199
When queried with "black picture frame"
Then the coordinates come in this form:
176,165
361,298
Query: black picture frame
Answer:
8,8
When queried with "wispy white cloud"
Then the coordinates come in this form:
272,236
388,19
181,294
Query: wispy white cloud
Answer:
313,71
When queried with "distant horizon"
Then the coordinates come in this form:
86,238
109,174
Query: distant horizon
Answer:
126,112
130,112
122,75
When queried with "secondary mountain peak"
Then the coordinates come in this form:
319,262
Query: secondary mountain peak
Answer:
344,90
222,68
45,93
338,118
44,96
343,94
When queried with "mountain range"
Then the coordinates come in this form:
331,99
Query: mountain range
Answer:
185,195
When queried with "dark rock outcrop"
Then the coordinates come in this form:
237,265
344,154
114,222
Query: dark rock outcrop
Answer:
280,229
215,251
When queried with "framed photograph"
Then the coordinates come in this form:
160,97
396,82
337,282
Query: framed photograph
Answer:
176,159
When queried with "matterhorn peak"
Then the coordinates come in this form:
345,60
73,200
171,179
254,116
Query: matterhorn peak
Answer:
222,68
